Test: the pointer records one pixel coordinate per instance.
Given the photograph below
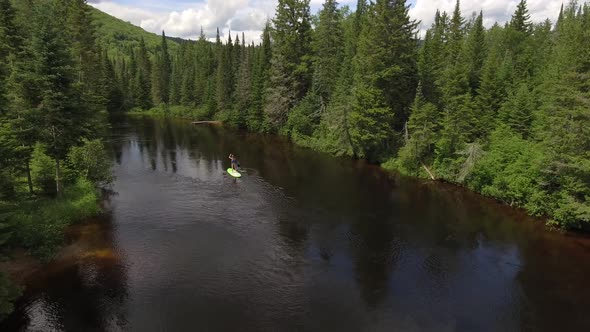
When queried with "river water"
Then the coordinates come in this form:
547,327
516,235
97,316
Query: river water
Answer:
302,242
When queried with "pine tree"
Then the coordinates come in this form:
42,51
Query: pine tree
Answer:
563,125
421,136
261,66
109,85
59,109
291,62
329,50
161,74
458,119
432,60
243,89
517,112
224,77
15,127
187,85
203,68
141,71
385,81
178,70
490,94
519,32
476,53
521,19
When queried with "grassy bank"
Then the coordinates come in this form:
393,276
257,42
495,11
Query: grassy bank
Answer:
38,225
177,111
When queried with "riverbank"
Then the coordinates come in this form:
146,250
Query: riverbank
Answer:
177,111
513,195
35,232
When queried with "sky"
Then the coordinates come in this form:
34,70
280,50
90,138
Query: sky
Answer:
185,18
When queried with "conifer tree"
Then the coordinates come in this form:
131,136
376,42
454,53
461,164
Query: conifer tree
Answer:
385,68
243,89
291,62
261,66
161,74
59,109
476,53
517,112
420,136
141,71
328,47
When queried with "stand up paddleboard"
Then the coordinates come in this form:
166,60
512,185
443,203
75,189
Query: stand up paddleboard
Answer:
233,173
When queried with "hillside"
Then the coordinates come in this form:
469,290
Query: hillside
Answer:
119,36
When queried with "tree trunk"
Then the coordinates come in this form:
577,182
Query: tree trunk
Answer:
429,172
57,177
29,180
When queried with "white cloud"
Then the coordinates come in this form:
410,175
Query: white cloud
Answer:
185,19
493,10
247,16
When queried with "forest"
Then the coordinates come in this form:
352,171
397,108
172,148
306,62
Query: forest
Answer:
503,111
54,96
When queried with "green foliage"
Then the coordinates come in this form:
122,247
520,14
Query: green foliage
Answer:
118,36
91,161
39,225
419,145
290,72
385,78
303,118
511,171
517,112
43,171
8,294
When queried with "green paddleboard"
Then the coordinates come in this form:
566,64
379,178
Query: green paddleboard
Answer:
233,173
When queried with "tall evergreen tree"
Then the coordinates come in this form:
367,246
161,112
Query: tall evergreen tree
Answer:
386,78
476,52
291,62
261,66
161,74
224,77
329,50
141,69
59,110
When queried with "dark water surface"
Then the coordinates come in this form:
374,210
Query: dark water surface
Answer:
302,242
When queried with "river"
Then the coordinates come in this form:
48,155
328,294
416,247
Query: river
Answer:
302,242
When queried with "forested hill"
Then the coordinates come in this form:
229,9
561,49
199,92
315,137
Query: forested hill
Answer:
120,37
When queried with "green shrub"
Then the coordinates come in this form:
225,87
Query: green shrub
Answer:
39,225
91,162
7,191
304,117
511,172
43,171
9,292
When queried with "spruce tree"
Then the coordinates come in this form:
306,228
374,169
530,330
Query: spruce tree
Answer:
161,74
261,66
243,90
517,111
63,117
385,78
476,53
420,136
291,62
328,46
141,70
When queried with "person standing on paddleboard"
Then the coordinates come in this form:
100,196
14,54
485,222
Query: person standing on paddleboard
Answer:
234,162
